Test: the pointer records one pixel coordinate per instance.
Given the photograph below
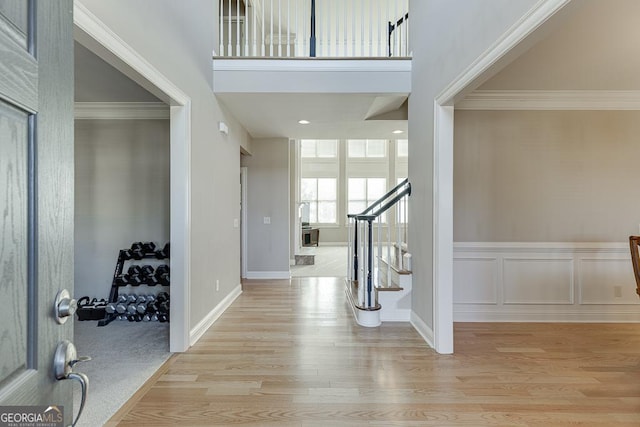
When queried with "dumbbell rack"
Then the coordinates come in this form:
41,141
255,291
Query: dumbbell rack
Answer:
114,293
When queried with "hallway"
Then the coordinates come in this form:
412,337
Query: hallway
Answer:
288,353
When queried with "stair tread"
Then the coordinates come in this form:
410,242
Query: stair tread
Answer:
392,288
395,267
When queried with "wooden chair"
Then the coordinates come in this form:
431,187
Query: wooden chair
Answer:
634,242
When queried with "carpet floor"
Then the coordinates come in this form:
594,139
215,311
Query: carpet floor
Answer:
124,355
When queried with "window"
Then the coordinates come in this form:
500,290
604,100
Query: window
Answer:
367,148
323,148
402,148
362,192
320,194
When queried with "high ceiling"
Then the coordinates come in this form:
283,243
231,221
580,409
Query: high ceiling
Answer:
596,47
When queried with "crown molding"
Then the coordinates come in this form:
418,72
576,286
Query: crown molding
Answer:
551,100
121,111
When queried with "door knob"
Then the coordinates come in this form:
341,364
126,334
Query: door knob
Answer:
64,306
64,360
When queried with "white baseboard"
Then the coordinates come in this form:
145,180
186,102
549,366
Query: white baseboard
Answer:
202,326
422,328
546,314
269,275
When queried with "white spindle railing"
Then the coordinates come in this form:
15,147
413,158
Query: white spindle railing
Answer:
343,28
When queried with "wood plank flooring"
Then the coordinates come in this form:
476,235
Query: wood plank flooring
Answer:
289,354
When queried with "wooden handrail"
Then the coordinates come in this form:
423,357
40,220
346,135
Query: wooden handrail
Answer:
634,241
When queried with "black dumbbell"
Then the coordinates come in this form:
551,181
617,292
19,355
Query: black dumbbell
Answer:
163,274
163,318
164,252
134,270
149,248
137,250
162,297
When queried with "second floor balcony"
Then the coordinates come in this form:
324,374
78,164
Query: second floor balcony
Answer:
314,28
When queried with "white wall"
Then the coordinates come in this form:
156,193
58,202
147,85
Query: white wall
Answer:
451,35
268,196
121,195
178,38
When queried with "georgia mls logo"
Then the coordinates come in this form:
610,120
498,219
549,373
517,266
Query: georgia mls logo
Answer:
31,416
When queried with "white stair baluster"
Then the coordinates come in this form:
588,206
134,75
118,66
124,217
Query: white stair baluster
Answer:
221,29
229,46
238,29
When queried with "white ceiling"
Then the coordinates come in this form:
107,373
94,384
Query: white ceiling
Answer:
596,47
331,115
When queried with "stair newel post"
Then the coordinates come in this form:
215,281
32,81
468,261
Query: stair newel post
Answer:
379,245
362,249
349,249
369,262
356,248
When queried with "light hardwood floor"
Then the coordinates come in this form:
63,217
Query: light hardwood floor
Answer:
289,354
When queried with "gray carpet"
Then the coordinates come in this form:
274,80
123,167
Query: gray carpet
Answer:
124,355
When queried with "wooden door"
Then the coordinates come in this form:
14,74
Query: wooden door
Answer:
36,197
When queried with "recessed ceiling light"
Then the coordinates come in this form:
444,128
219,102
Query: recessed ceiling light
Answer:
304,122
397,131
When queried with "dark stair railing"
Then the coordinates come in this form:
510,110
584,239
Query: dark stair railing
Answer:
392,27
362,224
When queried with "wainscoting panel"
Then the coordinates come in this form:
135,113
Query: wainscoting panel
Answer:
537,281
607,281
544,282
475,281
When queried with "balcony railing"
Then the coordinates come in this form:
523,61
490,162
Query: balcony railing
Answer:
314,28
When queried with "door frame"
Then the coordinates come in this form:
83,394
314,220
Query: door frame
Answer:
92,33
509,46
243,221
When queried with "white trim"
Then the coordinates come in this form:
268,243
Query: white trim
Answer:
529,22
316,64
443,229
422,328
244,221
202,326
121,110
269,275
88,25
547,315
100,38
551,100
442,162
546,247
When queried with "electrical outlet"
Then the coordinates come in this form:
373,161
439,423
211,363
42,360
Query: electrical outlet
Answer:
217,285
617,291
266,220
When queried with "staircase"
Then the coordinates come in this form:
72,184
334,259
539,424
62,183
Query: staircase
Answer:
378,284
